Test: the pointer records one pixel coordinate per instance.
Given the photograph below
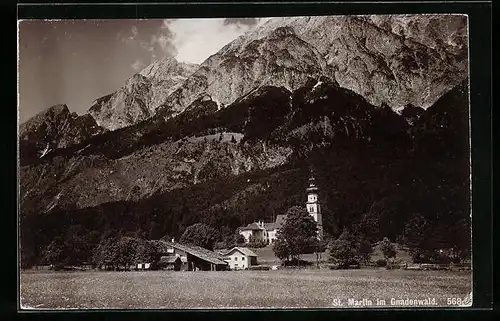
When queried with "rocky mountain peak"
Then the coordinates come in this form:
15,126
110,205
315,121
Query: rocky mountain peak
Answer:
136,83
357,52
281,32
395,60
126,106
139,97
167,66
54,114
279,58
55,128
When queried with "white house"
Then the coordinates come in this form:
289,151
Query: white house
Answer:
261,231
254,230
240,258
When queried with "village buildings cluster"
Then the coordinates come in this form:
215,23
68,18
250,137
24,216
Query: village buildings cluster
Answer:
177,257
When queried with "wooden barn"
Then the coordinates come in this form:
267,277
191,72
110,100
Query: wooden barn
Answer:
171,262
196,258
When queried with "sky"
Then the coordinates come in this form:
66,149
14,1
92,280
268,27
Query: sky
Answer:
73,62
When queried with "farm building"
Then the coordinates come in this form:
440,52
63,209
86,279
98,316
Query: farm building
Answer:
240,258
171,262
193,258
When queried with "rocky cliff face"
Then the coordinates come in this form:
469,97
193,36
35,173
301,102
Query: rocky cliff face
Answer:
395,60
126,106
377,63
140,96
280,58
165,75
440,32
55,128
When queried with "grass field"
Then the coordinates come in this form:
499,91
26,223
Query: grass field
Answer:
307,288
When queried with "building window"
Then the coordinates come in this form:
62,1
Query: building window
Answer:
236,258
243,258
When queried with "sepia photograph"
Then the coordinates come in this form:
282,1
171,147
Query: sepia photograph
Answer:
245,163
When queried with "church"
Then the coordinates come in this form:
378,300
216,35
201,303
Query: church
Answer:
266,232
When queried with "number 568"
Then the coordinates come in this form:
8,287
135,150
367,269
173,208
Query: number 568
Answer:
454,301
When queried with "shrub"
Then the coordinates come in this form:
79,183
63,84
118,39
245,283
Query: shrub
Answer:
343,250
392,266
381,262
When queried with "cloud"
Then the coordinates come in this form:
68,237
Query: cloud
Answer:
197,39
138,65
189,40
162,42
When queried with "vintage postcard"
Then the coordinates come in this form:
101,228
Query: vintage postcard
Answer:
245,163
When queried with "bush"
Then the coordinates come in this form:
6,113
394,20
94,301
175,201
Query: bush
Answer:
354,264
343,250
429,256
393,266
381,263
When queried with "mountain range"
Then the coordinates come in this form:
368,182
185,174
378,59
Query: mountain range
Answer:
377,104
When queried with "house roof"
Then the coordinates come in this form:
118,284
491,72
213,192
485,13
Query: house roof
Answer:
243,250
280,220
197,251
251,227
169,259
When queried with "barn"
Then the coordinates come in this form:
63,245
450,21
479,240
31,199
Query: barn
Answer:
195,257
171,262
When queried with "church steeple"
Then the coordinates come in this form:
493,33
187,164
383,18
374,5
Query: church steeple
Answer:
313,204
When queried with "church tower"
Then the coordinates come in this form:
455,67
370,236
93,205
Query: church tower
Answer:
313,205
